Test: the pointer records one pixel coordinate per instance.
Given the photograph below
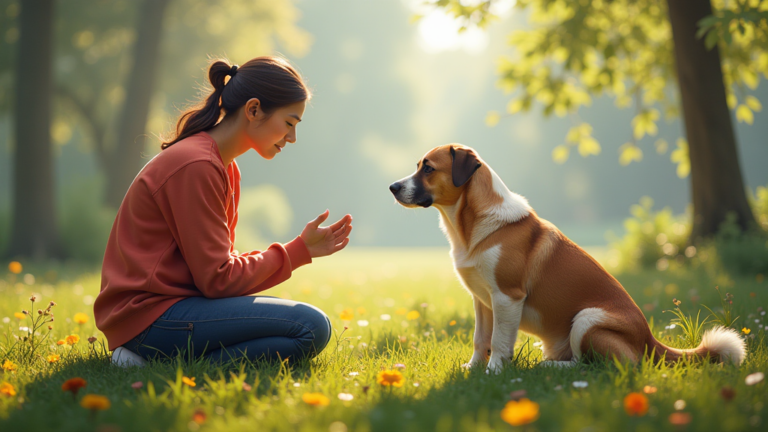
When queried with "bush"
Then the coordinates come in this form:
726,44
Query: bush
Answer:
85,224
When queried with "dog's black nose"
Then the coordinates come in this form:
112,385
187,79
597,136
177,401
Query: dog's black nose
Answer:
395,187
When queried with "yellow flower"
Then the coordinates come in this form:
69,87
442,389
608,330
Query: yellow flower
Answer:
746,330
361,311
19,315
189,381
7,389
81,318
401,311
413,315
390,378
317,399
520,412
53,358
72,339
636,404
95,402
9,366
15,267
346,315
452,323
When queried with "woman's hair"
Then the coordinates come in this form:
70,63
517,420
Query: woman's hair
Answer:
270,79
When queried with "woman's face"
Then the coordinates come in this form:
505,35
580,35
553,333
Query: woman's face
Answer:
269,134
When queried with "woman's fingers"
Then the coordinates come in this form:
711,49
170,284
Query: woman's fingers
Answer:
342,233
320,219
341,245
336,225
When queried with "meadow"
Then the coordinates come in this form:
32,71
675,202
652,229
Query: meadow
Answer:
392,309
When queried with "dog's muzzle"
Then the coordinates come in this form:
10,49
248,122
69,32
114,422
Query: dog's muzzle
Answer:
416,196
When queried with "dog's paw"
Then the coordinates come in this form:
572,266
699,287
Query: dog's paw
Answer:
495,365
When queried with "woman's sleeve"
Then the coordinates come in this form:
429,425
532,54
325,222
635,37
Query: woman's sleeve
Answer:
193,203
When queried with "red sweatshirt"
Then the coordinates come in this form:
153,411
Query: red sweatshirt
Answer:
173,238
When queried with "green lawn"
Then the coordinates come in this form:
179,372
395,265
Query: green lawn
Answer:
380,287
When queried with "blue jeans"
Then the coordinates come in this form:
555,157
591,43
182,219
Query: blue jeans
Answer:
258,328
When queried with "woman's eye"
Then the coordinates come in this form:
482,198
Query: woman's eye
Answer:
289,124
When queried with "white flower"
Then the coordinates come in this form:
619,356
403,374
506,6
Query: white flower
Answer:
679,404
297,384
415,384
362,323
386,317
354,373
516,380
6,320
754,378
346,396
580,384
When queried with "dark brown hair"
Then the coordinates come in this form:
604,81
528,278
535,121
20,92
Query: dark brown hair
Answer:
272,80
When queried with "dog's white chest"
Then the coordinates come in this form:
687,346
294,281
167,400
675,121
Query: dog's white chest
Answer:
477,273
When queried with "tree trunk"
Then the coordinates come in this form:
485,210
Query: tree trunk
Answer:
34,233
127,159
716,181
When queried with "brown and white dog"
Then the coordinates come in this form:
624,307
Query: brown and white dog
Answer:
524,274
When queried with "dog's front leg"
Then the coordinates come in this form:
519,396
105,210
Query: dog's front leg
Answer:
507,313
483,331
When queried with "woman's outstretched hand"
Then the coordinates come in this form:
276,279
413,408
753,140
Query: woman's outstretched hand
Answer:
327,240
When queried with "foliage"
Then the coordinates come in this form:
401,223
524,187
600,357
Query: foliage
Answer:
724,318
742,252
29,345
373,284
85,223
692,328
653,239
579,50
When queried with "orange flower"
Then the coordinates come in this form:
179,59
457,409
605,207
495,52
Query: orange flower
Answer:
452,323
413,315
316,399
7,389
15,267
72,339
189,381
390,378
53,358
73,385
9,366
199,416
81,318
60,342
346,315
636,404
95,402
19,315
520,412
649,389
680,418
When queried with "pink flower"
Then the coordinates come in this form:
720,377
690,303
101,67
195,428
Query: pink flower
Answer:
399,366
137,385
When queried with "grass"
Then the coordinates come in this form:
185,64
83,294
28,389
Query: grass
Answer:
438,394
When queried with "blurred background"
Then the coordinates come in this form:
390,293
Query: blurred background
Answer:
391,79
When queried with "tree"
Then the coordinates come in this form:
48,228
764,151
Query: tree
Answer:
632,50
34,232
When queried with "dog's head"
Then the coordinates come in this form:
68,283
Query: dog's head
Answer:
440,177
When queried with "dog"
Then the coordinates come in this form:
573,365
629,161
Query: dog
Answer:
524,274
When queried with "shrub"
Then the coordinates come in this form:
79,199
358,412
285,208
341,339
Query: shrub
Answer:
85,224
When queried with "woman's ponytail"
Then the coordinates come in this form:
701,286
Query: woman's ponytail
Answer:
270,79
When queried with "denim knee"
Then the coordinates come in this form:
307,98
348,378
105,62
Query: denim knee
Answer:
320,326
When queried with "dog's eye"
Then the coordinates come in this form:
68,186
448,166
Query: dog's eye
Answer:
428,169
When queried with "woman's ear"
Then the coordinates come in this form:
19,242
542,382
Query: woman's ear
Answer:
253,109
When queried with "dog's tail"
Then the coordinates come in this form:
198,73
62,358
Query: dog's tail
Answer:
718,344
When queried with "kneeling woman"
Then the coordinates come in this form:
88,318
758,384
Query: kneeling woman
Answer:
171,278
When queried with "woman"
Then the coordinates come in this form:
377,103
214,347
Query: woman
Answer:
171,278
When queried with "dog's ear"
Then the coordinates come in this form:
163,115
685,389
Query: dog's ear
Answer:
464,165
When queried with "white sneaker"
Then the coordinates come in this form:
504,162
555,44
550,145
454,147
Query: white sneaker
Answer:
126,358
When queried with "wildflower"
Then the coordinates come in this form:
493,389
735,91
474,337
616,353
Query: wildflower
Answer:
7,389
746,331
81,318
316,399
346,396
33,298
346,315
199,416
399,366
354,373
19,315
9,366
580,384
92,339
636,404
189,381
680,418
72,339
51,304
247,387
676,302
452,323
73,385
60,342
679,404
727,393
15,267
518,394
522,412
413,315
137,385
50,327
363,323
53,358
25,312
95,402
386,317
649,389
401,311
361,311
390,378
754,378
